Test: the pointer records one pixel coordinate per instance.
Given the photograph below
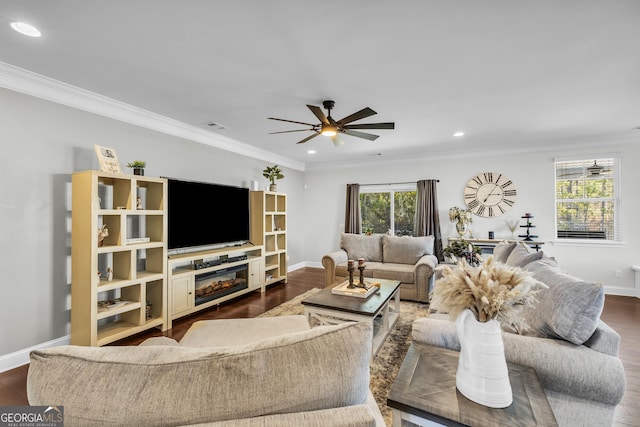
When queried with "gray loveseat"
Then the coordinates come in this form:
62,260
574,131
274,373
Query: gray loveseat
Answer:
574,353
297,376
407,259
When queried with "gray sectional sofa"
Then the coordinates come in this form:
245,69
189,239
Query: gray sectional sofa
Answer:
574,353
407,259
222,373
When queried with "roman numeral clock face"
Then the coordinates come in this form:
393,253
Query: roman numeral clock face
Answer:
489,194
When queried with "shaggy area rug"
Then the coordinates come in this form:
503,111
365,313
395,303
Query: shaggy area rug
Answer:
386,364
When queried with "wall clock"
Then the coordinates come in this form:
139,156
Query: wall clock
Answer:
489,194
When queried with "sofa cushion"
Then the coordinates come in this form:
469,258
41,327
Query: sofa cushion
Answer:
502,251
406,249
522,255
392,271
325,367
361,246
234,332
569,309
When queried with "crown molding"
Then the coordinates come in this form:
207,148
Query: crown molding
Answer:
37,85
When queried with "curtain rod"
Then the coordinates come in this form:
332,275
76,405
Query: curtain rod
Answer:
397,183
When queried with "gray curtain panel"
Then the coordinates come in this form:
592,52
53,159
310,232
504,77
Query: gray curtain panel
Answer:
427,216
352,212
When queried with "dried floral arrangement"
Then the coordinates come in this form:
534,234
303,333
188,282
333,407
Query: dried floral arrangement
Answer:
492,290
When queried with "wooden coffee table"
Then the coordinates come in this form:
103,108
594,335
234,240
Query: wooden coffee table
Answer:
424,394
381,309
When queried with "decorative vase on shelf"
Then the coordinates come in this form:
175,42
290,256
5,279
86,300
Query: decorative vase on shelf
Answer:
482,374
273,187
138,171
461,228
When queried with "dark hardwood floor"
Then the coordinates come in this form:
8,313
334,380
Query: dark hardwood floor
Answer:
621,313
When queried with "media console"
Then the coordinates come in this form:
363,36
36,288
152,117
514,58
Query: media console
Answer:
199,280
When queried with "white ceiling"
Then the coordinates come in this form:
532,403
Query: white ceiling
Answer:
511,74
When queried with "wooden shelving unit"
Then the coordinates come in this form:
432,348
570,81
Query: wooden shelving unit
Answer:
134,249
269,229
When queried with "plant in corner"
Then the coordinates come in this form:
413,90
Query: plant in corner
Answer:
462,249
272,173
137,166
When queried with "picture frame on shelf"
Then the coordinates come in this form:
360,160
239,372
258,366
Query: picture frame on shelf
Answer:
108,159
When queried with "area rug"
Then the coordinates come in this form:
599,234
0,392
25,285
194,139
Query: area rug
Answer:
386,364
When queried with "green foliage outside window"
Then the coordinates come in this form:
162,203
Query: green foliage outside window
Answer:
377,215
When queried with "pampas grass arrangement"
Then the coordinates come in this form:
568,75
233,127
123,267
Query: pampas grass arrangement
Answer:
492,290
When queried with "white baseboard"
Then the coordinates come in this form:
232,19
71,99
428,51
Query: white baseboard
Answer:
625,292
303,264
21,357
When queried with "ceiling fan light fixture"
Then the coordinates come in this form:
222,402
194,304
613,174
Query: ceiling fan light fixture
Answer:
26,29
329,130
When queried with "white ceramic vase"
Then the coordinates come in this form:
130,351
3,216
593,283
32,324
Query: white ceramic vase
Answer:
482,374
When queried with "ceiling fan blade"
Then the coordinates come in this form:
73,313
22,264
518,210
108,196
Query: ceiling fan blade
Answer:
368,136
291,121
388,125
337,141
319,114
308,138
365,112
287,131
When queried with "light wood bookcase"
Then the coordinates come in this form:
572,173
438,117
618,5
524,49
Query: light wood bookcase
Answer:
138,266
269,229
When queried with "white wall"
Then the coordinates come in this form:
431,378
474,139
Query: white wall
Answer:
534,177
43,143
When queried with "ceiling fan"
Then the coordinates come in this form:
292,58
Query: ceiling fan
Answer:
332,128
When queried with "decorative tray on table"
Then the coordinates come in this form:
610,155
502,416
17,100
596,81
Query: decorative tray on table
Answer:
343,289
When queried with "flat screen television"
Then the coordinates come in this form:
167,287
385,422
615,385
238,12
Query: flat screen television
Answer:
201,214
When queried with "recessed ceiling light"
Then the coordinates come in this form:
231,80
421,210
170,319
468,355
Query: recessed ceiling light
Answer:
311,151
459,133
26,29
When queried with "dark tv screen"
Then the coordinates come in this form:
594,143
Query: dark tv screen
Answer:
204,214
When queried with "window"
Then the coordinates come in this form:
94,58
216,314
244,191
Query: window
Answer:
587,199
392,209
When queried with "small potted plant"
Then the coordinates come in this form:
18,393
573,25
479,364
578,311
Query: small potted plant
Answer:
137,166
462,249
272,173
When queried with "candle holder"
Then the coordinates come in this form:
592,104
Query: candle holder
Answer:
350,269
362,284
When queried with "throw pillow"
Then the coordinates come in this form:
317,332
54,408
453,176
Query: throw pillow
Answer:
569,309
522,255
361,246
502,251
322,368
406,249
